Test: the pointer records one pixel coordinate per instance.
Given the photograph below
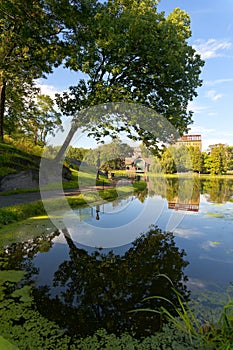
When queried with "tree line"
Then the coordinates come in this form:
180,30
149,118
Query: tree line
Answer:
217,160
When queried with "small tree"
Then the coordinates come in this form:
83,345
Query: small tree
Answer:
230,158
167,162
218,158
205,163
196,158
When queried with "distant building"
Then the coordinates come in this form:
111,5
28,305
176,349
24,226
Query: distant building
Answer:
138,164
190,205
190,140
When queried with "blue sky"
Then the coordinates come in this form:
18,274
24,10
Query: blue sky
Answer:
212,37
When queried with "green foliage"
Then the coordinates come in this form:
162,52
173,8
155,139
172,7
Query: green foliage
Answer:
11,276
186,331
230,158
30,45
196,159
113,284
200,333
168,338
144,151
182,159
206,163
167,162
31,118
218,159
23,143
129,58
76,153
6,170
13,159
109,156
176,159
20,212
22,318
23,326
140,185
6,345
219,190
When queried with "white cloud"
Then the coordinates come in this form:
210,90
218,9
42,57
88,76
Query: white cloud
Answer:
218,81
201,130
197,109
213,95
187,233
196,284
211,48
216,140
228,134
48,89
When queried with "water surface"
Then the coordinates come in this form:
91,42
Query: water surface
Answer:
110,257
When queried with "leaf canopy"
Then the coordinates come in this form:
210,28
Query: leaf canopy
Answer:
136,54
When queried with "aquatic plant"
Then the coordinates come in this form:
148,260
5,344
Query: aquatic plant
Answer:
201,334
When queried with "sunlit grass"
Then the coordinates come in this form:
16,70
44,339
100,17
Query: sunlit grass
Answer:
39,217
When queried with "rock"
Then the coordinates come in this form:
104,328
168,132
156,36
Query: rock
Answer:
29,179
23,179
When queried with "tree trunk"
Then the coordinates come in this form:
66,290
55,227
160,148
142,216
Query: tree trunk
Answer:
66,143
2,106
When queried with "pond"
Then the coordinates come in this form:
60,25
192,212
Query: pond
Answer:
108,258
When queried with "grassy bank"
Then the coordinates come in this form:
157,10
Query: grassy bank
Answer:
13,160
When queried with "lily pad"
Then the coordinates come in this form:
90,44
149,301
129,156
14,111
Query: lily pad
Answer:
11,276
25,230
23,293
6,345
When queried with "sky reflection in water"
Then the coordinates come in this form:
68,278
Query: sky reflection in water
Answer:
205,234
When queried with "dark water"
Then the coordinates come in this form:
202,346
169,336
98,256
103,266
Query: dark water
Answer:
112,256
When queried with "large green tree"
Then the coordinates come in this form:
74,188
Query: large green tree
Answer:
32,42
134,54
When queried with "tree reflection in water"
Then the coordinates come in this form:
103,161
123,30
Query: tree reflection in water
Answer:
101,288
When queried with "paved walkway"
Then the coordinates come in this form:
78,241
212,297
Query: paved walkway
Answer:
6,201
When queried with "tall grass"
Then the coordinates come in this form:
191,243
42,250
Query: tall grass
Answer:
201,335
